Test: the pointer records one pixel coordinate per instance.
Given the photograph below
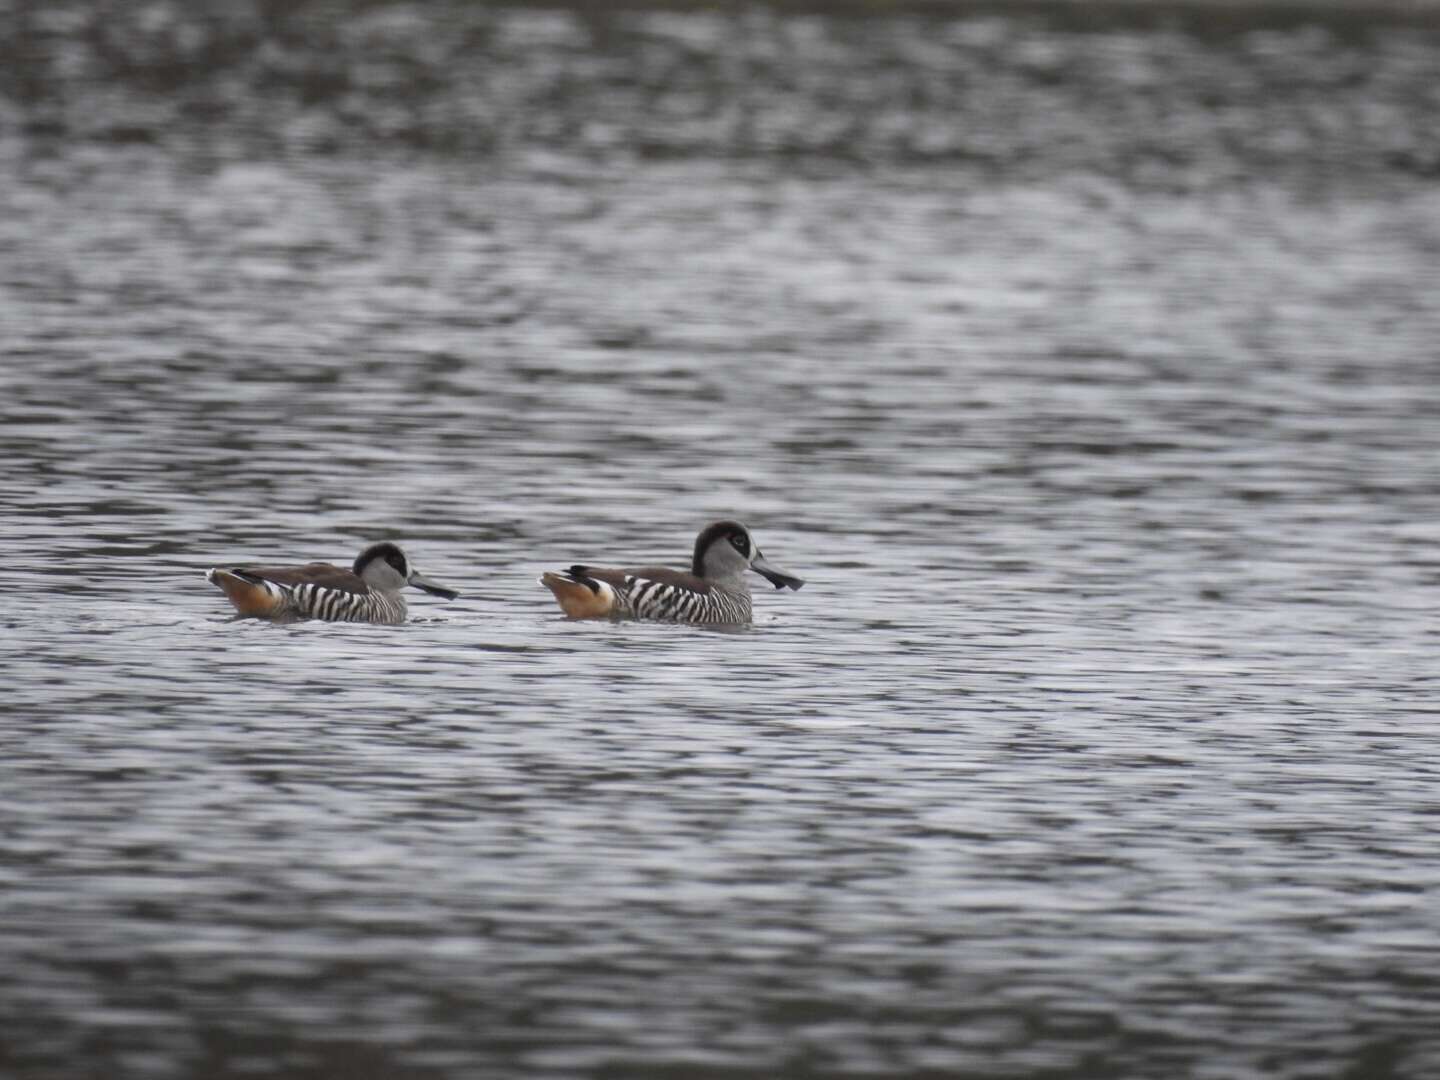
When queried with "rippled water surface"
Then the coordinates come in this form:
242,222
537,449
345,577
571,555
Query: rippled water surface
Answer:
1086,371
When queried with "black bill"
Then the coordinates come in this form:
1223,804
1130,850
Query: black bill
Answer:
778,578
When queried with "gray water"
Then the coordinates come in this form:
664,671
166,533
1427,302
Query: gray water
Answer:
1086,371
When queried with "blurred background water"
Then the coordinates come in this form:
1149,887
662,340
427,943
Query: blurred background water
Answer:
1083,358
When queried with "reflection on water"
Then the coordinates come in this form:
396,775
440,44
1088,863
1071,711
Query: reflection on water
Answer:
1085,372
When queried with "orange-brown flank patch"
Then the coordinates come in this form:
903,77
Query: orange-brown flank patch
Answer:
578,601
248,597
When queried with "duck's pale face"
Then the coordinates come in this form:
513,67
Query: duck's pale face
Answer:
728,554
727,550
385,568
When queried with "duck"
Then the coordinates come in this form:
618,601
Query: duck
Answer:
713,591
368,592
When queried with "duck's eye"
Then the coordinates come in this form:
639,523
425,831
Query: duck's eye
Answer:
739,541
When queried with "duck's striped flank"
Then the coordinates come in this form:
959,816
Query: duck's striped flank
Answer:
334,605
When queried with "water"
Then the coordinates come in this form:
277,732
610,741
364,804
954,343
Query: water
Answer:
1087,373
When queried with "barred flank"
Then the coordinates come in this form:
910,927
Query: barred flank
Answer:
668,603
333,605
